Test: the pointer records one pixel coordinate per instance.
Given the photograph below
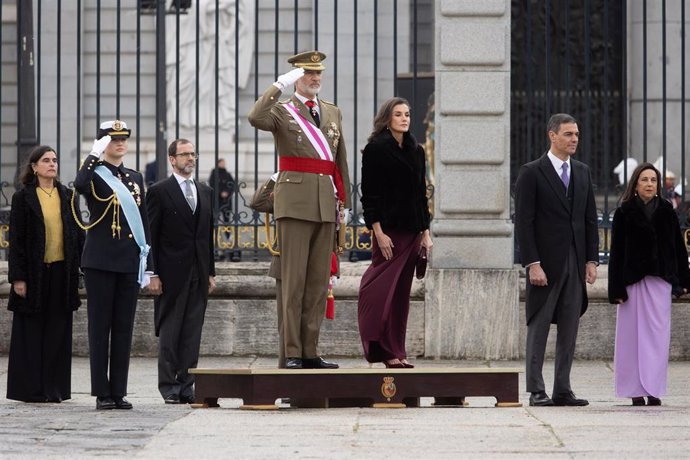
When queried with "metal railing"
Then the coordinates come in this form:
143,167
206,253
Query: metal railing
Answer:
194,72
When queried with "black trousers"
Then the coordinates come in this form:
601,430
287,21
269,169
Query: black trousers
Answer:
40,358
565,300
179,336
111,303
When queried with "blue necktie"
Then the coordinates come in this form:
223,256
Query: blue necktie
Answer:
564,175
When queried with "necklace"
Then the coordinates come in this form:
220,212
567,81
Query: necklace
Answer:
49,193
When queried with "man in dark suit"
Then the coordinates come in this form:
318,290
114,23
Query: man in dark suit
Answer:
116,260
556,224
181,218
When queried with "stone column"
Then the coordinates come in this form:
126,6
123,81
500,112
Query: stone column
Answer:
472,291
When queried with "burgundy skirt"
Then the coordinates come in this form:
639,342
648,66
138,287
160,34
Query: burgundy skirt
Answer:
384,298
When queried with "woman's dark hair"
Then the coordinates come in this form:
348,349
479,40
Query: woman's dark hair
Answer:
383,117
631,189
27,176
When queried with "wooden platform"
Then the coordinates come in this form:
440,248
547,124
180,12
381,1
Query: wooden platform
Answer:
368,387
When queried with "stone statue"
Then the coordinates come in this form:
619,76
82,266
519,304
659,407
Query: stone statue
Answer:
207,62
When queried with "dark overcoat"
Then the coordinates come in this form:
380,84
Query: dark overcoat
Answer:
179,238
642,247
394,184
548,223
27,250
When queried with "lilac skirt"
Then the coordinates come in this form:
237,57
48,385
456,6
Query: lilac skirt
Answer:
643,337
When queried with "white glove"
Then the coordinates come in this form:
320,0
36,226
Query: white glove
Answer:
99,146
346,215
289,79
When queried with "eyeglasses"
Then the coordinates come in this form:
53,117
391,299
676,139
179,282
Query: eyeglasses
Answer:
186,155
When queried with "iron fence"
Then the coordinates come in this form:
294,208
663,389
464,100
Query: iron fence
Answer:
193,69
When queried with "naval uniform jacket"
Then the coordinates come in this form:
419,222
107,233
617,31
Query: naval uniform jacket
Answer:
28,246
300,195
102,250
548,222
179,239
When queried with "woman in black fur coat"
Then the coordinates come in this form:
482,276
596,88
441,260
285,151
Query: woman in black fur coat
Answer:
396,209
648,263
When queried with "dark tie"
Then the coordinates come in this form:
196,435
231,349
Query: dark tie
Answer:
564,175
314,113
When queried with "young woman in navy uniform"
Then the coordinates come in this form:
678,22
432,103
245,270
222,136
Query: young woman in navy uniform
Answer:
116,260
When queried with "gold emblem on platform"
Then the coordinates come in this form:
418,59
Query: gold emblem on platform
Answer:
388,388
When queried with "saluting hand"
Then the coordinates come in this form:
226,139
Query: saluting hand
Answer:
99,146
289,78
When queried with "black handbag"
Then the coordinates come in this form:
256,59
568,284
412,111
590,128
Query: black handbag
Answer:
420,266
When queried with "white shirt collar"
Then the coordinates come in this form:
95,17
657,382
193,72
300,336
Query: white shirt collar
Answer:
181,179
305,99
558,163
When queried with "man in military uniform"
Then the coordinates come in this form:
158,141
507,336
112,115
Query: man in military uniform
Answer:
115,260
313,184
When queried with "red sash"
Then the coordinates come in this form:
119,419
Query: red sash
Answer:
315,166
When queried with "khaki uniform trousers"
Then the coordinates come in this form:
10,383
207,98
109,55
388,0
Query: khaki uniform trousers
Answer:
305,261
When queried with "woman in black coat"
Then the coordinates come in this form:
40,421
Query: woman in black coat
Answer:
396,209
45,248
648,263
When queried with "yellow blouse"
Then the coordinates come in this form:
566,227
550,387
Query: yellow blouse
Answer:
52,219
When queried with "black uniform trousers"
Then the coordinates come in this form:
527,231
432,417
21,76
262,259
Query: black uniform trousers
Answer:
564,300
40,358
111,303
179,337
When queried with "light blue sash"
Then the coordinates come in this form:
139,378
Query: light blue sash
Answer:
131,212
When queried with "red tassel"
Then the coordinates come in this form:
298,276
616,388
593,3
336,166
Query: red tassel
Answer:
330,305
334,263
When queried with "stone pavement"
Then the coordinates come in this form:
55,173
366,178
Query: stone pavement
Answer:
608,428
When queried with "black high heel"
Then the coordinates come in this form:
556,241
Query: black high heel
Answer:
639,401
406,364
398,365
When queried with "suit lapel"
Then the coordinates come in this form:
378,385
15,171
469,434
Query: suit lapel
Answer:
177,197
554,181
32,201
579,184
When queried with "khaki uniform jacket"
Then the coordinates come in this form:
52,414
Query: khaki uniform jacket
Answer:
299,195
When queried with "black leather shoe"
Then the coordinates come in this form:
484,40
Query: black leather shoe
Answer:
122,403
172,399
105,403
319,363
186,399
540,398
652,401
568,399
294,363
